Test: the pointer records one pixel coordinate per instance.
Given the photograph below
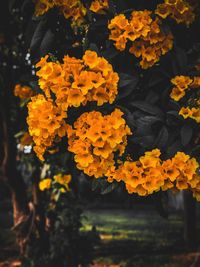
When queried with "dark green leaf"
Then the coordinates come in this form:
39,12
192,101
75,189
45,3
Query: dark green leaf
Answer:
149,108
162,138
126,79
95,184
186,134
38,35
109,189
94,47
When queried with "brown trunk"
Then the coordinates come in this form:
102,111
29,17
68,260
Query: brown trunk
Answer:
11,176
189,220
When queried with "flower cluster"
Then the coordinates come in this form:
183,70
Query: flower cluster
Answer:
180,172
179,10
183,84
63,180
95,139
46,123
150,174
71,9
60,179
99,6
45,184
148,39
23,91
77,81
193,113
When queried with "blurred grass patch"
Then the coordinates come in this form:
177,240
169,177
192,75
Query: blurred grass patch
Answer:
136,238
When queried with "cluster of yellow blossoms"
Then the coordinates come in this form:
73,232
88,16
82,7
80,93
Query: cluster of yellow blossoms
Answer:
71,9
183,84
150,174
46,123
148,39
77,81
23,91
61,179
192,113
179,10
99,6
95,139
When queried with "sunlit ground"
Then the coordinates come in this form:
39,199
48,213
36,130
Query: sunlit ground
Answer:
138,238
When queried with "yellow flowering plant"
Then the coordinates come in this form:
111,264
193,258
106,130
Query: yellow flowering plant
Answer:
109,95
76,106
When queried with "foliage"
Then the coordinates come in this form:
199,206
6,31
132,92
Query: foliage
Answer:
96,110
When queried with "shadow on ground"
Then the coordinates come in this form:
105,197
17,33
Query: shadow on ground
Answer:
139,238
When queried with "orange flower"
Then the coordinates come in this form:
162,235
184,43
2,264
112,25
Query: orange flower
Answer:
90,59
45,184
170,170
177,94
75,97
182,82
180,10
94,141
44,121
99,6
23,92
163,11
76,81
148,39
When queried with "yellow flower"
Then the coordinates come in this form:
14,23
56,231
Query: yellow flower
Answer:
63,180
196,194
23,92
99,6
185,112
45,184
148,39
78,81
163,11
177,94
170,170
95,139
196,82
182,82
195,114
180,10
75,97
181,183
45,121
42,6
90,59
150,174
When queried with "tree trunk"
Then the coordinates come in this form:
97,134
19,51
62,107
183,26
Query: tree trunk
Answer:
10,175
189,220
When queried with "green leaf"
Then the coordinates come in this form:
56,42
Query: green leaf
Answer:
162,138
126,79
94,47
95,184
146,107
19,134
186,134
127,83
109,189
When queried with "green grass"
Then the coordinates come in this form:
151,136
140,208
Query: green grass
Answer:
137,238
